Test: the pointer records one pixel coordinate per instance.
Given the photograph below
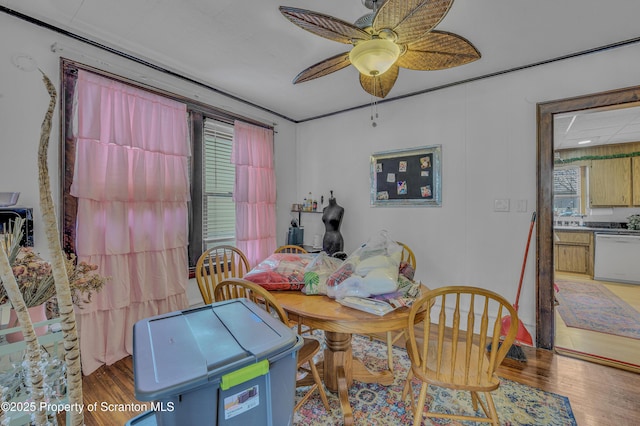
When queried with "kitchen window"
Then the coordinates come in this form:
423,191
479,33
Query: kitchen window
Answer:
567,191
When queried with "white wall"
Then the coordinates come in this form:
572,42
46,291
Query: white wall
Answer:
487,130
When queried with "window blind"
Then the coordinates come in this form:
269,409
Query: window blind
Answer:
219,210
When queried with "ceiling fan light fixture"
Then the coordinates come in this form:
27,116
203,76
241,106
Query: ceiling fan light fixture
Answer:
374,57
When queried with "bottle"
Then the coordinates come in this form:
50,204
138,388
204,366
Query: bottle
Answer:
310,202
305,203
315,205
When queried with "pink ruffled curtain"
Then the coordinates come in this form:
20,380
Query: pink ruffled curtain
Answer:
131,181
255,191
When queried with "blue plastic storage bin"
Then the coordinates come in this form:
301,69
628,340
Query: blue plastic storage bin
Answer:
228,363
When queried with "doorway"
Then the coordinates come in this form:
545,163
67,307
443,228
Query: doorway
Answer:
547,316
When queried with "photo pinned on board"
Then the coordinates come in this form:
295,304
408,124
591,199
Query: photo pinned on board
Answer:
425,162
382,195
402,187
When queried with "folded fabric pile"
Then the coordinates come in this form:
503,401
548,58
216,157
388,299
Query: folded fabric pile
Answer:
281,271
408,291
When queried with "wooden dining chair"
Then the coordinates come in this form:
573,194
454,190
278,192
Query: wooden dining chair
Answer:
407,255
217,264
392,337
461,351
290,248
235,288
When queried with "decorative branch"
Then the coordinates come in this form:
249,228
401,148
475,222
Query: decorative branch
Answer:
30,338
63,291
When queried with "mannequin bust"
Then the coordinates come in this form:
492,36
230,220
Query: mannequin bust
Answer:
332,241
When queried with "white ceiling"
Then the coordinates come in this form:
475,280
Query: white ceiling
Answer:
246,48
583,129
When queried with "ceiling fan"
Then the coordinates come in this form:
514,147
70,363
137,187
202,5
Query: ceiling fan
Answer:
397,33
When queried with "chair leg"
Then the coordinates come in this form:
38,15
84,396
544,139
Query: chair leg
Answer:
474,400
417,412
319,384
316,385
305,397
390,350
493,413
407,387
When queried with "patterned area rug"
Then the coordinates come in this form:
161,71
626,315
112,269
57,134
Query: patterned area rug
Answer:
374,404
592,306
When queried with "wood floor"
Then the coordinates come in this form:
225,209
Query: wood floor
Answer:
599,395
601,347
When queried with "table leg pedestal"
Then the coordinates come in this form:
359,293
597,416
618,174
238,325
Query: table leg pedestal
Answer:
337,370
341,369
337,354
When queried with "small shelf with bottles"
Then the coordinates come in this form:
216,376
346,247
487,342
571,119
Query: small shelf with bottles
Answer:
309,206
300,214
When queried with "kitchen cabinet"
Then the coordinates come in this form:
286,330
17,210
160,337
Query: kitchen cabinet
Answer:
610,182
573,252
635,166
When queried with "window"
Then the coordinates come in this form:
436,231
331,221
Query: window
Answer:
218,177
567,191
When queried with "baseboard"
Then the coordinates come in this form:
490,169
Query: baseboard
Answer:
598,359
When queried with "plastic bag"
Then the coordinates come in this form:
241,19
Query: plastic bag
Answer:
281,271
370,270
317,273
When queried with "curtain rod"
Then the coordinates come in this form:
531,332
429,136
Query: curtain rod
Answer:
208,110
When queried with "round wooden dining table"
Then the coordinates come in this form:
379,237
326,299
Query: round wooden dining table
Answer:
339,322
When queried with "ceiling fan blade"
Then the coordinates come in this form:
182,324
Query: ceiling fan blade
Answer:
438,50
324,25
380,85
332,64
410,19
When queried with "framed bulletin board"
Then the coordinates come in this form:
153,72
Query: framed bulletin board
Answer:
407,177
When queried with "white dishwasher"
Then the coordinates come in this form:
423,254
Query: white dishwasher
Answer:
617,258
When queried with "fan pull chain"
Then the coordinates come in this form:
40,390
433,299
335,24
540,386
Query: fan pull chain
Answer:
374,102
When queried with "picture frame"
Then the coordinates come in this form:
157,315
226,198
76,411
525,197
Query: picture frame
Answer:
407,177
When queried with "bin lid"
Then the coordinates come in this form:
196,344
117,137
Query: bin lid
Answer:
185,349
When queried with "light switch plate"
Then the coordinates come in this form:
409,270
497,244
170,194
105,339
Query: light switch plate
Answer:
501,205
521,206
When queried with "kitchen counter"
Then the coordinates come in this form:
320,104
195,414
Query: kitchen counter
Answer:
618,228
616,231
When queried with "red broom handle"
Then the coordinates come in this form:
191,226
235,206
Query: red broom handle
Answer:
524,262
